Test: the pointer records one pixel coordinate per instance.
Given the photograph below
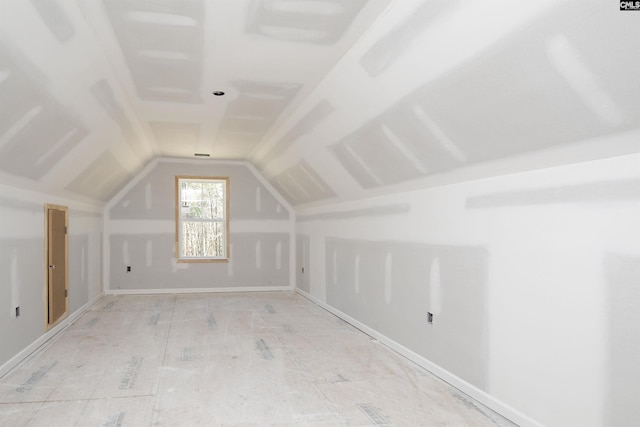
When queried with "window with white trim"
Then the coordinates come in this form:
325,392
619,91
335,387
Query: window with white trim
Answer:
202,222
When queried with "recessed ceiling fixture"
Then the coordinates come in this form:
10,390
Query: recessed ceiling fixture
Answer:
202,154
218,93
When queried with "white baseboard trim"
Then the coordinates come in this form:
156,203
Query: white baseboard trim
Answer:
197,290
46,337
479,395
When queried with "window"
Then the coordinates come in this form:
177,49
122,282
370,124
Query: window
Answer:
202,222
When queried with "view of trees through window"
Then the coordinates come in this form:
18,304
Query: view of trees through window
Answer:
202,218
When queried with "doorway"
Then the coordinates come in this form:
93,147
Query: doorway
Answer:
56,247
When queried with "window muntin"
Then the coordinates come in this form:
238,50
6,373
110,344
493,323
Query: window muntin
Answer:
202,223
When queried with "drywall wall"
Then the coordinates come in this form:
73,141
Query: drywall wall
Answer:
22,264
531,278
140,232
622,273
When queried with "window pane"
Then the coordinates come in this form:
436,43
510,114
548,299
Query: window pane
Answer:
190,197
203,239
202,218
213,200
213,239
202,200
192,233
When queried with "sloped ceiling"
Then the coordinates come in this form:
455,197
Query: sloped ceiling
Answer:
330,99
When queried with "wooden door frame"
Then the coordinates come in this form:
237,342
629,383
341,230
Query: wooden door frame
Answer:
64,209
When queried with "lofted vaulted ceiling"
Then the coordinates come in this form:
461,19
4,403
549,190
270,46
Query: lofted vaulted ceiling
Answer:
330,99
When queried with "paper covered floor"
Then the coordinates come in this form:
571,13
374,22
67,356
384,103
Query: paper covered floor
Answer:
224,359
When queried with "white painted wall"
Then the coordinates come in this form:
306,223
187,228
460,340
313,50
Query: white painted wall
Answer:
22,265
562,273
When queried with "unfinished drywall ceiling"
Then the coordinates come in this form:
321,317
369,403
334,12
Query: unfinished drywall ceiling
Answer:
63,115
438,92
93,89
265,55
333,100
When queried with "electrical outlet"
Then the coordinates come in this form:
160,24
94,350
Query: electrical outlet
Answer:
128,269
18,311
429,317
